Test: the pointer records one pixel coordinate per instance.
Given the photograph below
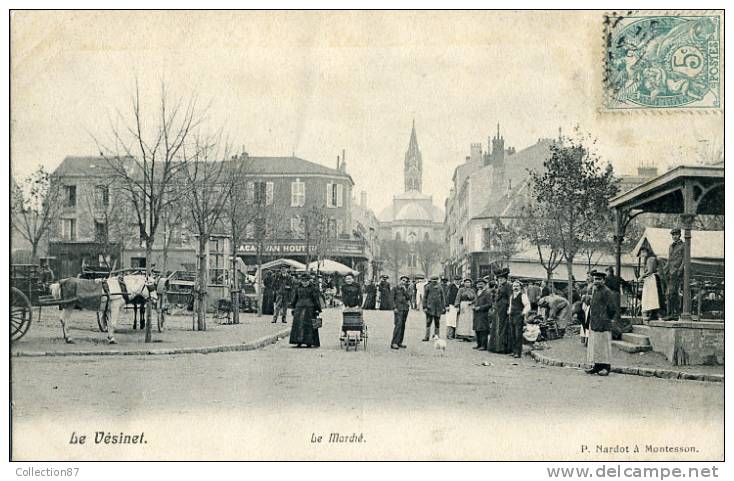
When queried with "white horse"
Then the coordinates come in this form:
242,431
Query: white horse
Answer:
100,294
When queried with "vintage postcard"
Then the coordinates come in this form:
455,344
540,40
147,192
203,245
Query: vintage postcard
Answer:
367,235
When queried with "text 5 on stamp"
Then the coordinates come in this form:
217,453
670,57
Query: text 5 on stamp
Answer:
659,61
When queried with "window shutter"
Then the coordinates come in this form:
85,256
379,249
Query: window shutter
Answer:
269,193
328,194
293,195
339,195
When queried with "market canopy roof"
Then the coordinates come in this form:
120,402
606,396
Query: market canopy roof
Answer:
701,187
705,244
327,266
277,263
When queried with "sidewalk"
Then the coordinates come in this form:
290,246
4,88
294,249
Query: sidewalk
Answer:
569,352
45,338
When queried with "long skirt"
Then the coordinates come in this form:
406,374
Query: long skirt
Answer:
452,314
268,301
651,293
466,320
302,331
599,348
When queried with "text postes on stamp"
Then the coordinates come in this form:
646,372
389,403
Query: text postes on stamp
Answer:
658,61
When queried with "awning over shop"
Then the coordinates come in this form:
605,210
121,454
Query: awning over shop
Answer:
278,263
327,266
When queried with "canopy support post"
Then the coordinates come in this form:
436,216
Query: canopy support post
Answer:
687,221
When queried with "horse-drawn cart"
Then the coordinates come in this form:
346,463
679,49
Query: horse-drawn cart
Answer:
28,288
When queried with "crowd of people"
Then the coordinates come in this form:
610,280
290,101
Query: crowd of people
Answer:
491,311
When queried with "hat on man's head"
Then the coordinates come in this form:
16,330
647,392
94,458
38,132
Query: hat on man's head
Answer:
675,231
504,272
434,278
404,277
481,280
457,278
596,273
467,279
384,276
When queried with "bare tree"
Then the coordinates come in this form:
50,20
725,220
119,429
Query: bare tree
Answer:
35,203
394,252
145,153
542,234
206,191
112,218
429,252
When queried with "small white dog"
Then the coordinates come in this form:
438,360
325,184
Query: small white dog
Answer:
439,344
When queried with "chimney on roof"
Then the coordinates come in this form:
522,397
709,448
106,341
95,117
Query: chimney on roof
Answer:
363,199
338,166
344,160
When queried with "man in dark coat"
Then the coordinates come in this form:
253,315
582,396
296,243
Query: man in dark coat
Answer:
602,311
385,294
283,289
306,306
370,295
434,305
481,314
351,292
501,325
674,274
401,302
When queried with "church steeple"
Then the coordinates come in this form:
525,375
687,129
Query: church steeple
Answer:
413,168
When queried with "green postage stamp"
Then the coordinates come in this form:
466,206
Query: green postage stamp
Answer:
658,61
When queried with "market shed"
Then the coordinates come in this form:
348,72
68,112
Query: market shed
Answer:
687,191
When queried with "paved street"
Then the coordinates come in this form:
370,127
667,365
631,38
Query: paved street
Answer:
412,403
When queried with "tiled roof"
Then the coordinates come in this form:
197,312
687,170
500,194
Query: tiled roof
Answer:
95,165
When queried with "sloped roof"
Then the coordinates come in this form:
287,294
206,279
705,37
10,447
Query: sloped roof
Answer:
97,165
705,244
413,211
503,203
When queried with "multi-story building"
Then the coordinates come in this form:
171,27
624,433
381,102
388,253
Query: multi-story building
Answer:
486,196
488,193
95,225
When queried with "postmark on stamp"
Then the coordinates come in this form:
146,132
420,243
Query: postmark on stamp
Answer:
662,61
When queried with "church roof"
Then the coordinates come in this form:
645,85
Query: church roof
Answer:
413,143
412,211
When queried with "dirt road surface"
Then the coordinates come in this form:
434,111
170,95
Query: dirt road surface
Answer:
281,402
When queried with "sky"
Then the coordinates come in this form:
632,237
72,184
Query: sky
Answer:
314,83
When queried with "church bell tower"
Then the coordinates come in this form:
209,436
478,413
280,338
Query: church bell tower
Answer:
413,168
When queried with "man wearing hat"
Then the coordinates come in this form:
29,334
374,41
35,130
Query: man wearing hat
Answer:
674,273
385,294
401,303
481,314
500,326
601,312
434,305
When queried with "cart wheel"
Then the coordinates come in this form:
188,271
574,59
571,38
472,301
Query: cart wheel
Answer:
20,314
102,319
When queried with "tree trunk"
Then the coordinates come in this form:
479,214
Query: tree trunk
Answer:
148,272
34,251
571,287
259,281
202,284
235,284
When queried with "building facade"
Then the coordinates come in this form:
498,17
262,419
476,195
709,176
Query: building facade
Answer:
292,194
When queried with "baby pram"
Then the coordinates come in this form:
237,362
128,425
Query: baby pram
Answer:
354,329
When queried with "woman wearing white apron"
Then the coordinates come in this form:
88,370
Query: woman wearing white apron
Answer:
651,287
465,300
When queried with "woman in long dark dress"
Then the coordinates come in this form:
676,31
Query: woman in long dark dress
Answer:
306,308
